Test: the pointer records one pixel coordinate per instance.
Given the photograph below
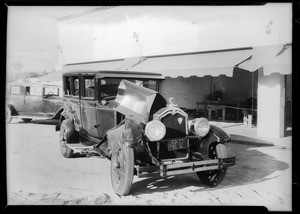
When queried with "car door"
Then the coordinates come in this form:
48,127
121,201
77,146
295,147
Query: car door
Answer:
71,97
32,100
88,105
16,97
105,114
50,99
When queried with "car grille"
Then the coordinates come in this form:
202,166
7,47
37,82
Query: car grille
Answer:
175,125
175,121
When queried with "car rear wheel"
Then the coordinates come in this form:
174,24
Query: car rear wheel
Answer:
122,168
212,177
65,134
8,116
26,120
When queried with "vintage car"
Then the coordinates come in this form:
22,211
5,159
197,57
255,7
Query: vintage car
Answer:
33,101
122,116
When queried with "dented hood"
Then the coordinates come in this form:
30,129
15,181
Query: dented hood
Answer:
134,101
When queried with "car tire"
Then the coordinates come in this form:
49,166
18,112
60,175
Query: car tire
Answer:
66,133
8,116
26,120
212,177
122,168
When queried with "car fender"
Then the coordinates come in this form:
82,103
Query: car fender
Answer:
218,136
221,150
70,116
12,109
132,133
129,133
58,113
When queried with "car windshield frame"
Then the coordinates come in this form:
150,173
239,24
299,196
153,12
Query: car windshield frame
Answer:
54,87
141,82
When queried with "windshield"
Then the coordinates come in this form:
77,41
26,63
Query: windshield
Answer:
109,86
53,91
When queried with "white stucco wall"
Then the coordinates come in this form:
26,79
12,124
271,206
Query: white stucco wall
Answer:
126,31
270,105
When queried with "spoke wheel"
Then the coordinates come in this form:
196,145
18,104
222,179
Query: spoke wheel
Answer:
64,137
212,177
122,168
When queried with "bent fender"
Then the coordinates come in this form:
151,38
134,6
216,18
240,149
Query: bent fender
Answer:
219,133
221,151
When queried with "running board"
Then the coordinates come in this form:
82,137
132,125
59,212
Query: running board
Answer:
79,147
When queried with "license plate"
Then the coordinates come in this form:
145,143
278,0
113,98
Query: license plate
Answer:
176,144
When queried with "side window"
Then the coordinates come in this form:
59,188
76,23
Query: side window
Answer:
33,91
74,86
15,90
27,90
89,87
67,86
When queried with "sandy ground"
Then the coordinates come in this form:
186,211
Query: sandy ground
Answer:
37,174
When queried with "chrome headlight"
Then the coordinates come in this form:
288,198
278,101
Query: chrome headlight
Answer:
155,130
201,126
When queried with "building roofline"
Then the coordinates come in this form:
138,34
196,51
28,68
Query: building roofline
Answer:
87,12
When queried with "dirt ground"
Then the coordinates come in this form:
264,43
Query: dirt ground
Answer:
37,174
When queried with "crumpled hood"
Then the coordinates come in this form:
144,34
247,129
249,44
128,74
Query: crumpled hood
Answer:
134,101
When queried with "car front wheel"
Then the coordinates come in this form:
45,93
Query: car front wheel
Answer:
65,134
122,168
212,177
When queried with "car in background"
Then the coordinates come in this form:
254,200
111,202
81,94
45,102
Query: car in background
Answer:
122,116
33,101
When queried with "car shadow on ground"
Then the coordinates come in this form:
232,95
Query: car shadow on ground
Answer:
252,166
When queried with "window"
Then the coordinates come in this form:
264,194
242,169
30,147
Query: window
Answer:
67,86
71,85
109,86
15,90
75,86
89,87
51,91
33,91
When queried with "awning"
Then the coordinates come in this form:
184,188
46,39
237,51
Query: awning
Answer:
195,64
272,58
91,66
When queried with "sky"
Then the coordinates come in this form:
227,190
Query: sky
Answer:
32,36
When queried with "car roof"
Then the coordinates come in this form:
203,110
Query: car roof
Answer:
32,84
119,74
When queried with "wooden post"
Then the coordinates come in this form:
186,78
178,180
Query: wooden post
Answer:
223,114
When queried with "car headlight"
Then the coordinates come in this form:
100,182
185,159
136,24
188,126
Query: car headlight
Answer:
201,126
155,130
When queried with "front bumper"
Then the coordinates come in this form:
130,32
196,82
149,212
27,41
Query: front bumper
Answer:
185,167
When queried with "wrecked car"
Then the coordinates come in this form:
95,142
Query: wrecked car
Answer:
122,116
33,101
